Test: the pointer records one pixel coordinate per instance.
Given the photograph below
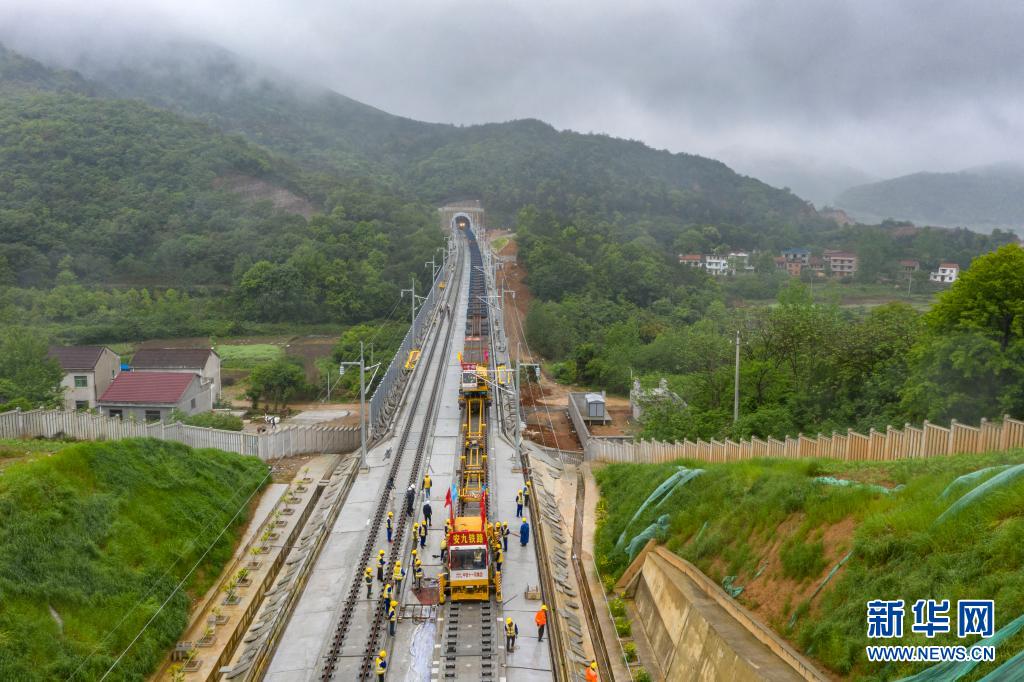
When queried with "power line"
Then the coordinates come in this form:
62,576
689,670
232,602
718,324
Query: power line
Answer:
156,583
185,577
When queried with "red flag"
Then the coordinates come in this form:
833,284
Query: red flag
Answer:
448,498
483,507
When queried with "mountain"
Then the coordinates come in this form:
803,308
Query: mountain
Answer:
108,191
983,198
507,165
815,179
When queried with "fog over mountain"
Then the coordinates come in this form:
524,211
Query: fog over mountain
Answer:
983,198
883,88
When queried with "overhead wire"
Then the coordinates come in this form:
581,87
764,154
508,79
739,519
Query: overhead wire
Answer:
145,597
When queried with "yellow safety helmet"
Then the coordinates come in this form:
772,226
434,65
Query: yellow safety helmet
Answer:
416,525
381,552
504,524
369,570
383,654
398,562
508,621
394,603
543,607
391,514
593,665
415,551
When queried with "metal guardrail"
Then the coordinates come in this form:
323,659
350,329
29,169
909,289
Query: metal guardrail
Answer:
386,395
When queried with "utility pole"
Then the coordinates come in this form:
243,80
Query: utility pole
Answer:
412,304
412,300
736,383
515,409
362,400
362,408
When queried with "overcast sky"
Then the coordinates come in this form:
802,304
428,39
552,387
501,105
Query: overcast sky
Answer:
884,86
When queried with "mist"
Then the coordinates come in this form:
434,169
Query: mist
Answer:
862,89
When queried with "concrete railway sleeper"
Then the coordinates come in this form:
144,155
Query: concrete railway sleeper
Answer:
468,649
334,650
378,627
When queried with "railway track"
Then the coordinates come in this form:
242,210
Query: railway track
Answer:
468,648
336,647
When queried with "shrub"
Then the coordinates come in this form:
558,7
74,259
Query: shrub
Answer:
629,648
623,627
617,607
213,420
641,675
608,582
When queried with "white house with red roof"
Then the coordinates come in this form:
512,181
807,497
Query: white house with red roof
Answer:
202,361
152,396
946,274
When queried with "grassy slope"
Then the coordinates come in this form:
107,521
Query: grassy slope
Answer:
102,533
772,515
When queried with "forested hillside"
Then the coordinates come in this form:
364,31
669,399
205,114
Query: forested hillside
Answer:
983,198
134,214
506,165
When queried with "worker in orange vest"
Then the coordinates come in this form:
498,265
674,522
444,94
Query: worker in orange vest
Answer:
592,672
541,619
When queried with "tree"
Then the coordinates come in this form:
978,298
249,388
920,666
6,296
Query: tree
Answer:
988,297
275,383
26,373
270,292
971,364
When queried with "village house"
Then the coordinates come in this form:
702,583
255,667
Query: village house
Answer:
88,371
739,261
909,265
817,266
801,256
716,265
946,274
152,396
693,260
841,263
201,361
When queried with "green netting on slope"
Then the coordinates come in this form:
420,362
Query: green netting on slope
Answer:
657,530
1011,671
998,481
843,483
728,584
700,533
685,478
970,478
831,574
947,672
668,486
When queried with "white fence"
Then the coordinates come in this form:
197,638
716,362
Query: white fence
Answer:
281,442
910,442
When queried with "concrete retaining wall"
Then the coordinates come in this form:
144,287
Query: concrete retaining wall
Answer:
697,632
